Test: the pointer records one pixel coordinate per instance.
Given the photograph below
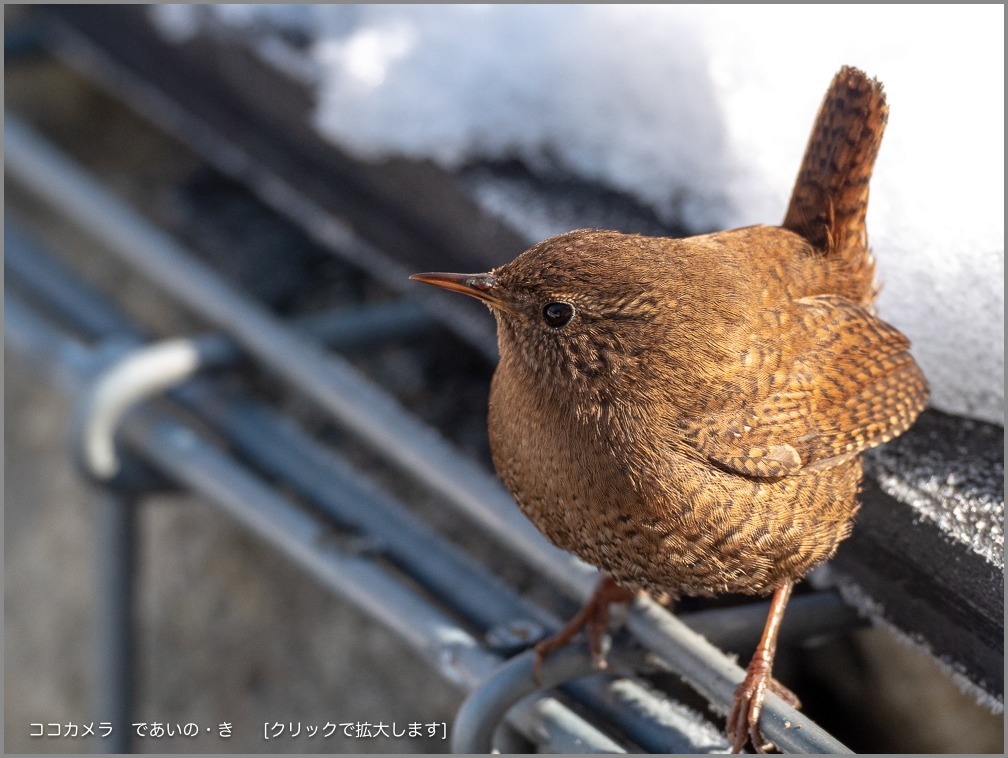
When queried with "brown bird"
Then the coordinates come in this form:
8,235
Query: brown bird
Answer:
688,414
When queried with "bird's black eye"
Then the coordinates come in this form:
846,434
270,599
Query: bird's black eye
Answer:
558,314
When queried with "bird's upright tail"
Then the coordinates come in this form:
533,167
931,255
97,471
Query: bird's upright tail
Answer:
830,197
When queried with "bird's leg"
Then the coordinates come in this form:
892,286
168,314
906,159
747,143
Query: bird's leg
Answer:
594,615
743,721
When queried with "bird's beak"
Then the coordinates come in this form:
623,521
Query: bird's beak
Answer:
479,286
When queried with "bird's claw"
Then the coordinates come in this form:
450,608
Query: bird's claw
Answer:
743,721
594,618
595,645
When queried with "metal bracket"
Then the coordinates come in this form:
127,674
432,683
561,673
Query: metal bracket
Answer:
129,379
484,709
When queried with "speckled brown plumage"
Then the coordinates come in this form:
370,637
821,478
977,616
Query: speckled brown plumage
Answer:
695,427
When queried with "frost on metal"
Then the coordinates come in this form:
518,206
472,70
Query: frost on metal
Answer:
868,607
952,472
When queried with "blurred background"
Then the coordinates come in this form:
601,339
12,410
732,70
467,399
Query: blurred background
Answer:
451,138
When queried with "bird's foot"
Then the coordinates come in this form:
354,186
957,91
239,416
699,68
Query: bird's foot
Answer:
593,616
743,721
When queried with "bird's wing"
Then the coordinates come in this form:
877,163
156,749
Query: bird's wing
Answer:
857,387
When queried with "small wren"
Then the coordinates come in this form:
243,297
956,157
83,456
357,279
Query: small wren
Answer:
688,414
